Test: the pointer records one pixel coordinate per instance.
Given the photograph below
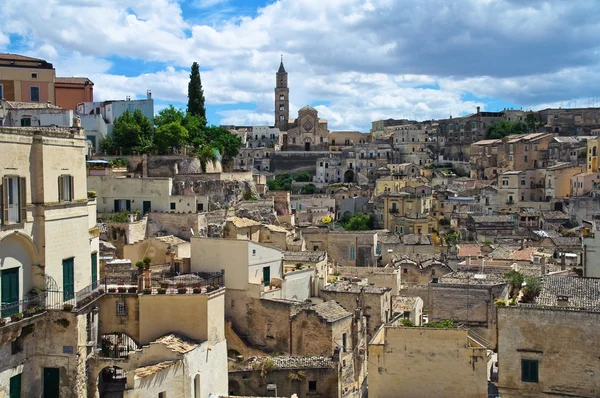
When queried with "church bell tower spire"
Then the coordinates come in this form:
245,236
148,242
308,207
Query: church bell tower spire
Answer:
282,100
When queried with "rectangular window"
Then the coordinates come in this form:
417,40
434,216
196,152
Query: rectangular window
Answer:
14,200
200,207
65,188
312,386
162,394
352,253
68,279
522,182
34,75
25,122
504,182
529,371
405,270
15,386
173,205
344,341
1,91
121,309
266,276
473,125
451,127
34,93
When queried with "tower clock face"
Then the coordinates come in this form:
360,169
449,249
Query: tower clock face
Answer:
307,126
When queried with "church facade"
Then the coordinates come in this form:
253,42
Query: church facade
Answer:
306,132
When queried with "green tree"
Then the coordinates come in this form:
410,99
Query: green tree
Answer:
515,280
359,222
169,136
308,189
196,93
132,132
503,128
452,238
195,126
303,177
228,143
533,122
531,290
169,115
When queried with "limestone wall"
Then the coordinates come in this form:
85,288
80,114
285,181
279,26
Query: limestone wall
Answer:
564,341
402,364
178,224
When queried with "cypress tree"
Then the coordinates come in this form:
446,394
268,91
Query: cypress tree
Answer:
196,93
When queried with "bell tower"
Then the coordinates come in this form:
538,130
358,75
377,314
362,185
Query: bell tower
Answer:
282,98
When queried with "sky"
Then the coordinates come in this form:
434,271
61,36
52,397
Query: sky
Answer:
355,61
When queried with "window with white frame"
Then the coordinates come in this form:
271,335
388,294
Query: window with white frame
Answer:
65,188
13,200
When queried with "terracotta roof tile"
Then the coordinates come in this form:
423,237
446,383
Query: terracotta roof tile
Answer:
146,371
73,80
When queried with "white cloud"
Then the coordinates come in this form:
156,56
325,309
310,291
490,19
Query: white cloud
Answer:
360,60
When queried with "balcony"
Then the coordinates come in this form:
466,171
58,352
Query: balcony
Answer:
394,210
46,300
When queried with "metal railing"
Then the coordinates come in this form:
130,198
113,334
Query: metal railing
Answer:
50,300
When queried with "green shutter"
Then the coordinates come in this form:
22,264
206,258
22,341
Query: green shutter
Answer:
94,261
10,291
266,276
15,386
68,279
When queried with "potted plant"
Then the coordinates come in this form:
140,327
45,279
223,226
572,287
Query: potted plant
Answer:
165,285
16,317
101,291
2,321
112,290
147,261
162,290
91,194
132,289
140,266
197,290
182,290
122,289
68,307
147,291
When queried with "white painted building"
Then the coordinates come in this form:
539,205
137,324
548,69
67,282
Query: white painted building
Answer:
98,117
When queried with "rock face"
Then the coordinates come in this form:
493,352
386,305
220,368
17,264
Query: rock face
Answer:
170,166
219,192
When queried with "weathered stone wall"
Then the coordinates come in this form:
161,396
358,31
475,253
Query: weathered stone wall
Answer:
413,290
295,162
178,224
250,383
219,193
402,361
471,305
53,339
170,166
383,277
564,341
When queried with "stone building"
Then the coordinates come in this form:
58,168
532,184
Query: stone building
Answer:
339,140
570,121
28,114
307,132
375,301
345,248
412,144
379,276
116,194
420,271
282,99
455,135
253,159
48,234
469,298
549,349
305,376
402,360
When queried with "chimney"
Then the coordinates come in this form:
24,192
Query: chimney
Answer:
478,109
77,122
149,94
544,269
128,98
